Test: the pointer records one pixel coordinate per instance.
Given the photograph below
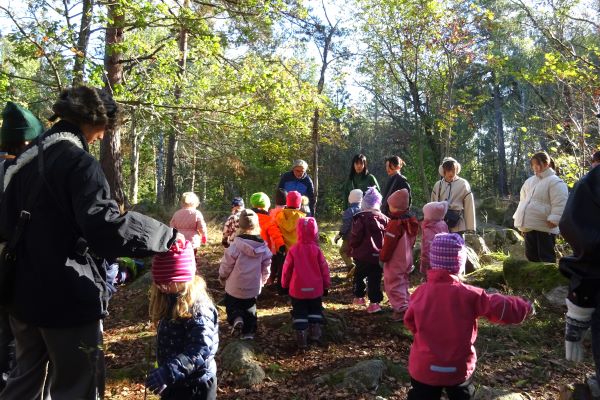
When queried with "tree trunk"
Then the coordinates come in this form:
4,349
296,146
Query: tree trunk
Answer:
136,142
110,147
82,42
499,121
160,168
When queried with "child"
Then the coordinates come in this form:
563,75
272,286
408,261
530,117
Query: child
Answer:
244,270
442,315
306,274
432,224
354,200
187,328
280,199
270,233
232,223
304,205
289,216
366,239
397,251
189,221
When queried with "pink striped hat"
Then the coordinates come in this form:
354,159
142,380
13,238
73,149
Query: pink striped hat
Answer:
448,252
176,265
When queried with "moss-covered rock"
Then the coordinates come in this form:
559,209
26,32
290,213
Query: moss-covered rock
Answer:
473,263
477,243
489,276
363,376
239,359
537,276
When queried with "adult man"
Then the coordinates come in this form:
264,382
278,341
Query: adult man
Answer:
297,179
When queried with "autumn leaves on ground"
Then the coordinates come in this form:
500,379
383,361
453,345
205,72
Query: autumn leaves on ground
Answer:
527,359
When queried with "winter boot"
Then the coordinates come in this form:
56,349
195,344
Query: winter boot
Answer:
301,339
314,333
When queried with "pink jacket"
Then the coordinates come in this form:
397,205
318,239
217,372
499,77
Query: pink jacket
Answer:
442,315
190,223
305,271
430,228
398,242
246,266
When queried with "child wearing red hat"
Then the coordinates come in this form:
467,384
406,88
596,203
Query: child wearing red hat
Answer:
187,328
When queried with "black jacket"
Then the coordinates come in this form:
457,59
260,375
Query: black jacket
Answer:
56,285
394,183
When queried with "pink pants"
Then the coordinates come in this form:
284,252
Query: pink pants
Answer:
396,283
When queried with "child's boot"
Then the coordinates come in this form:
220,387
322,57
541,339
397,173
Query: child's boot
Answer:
314,332
301,338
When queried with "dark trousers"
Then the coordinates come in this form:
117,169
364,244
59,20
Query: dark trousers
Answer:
6,337
421,391
200,392
73,353
372,273
596,337
276,267
539,246
242,308
306,311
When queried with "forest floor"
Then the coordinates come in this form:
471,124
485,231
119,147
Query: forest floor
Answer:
527,358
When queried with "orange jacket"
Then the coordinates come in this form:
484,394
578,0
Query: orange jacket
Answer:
269,230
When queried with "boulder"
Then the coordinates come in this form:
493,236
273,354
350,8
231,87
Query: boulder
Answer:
487,393
334,329
538,276
473,263
489,276
557,296
361,377
477,243
239,359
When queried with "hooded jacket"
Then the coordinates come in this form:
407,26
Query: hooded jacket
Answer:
58,284
542,200
304,185
366,237
400,237
305,271
269,230
246,266
286,221
460,198
442,316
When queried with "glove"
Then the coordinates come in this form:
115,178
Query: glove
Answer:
281,251
204,239
336,238
326,292
225,242
578,320
157,380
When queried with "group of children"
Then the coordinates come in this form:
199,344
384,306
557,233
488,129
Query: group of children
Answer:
280,246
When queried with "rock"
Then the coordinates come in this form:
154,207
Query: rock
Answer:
538,276
239,359
334,329
473,263
557,296
477,243
504,240
363,376
487,393
489,276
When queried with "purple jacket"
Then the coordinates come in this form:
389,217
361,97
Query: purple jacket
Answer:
366,237
246,266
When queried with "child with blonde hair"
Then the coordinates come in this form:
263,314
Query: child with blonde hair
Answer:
188,220
306,276
244,269
187,328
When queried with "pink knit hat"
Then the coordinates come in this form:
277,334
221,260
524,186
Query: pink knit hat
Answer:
448,252
435,211
176,265
293,199
399,199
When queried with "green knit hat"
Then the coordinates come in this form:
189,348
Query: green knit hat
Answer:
260,200
19,124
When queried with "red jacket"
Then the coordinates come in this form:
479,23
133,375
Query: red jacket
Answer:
401,230
366,236
305,270
442,315
269,231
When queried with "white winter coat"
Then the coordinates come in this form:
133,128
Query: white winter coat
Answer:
460,198
542,200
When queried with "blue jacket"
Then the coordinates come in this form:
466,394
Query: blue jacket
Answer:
304,185
347,219
186,347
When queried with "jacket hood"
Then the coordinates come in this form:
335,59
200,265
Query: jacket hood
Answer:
307,230
289,216
251,248
435,210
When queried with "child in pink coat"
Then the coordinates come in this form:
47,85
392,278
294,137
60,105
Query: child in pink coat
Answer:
397,252
442,316
306,276
432,224
189,221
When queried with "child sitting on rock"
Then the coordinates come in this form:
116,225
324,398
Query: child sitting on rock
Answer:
442,315
432,224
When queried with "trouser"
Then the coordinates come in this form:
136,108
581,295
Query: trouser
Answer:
539,246
372,273
242,308
345,254
396,284
6,337
306,311
421,391
276,267
73,353
207,391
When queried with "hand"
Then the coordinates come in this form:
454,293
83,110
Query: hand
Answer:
204,239
551,224
281,250
225,242
578,320
326,292
180,237
157,380
336,238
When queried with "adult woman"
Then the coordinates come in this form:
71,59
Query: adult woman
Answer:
60,293
396,181
541,204
298,180
359,177
460,216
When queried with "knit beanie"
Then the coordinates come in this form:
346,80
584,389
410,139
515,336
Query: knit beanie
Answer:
260,200
371,199
355,196
399,199
448,252
237,202
176,265
248,220
435,211
294,199
19,124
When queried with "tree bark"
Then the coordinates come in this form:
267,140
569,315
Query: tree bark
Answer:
160,168
137,138
499,122
82,42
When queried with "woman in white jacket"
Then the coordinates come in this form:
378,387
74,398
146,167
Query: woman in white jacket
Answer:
541,204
